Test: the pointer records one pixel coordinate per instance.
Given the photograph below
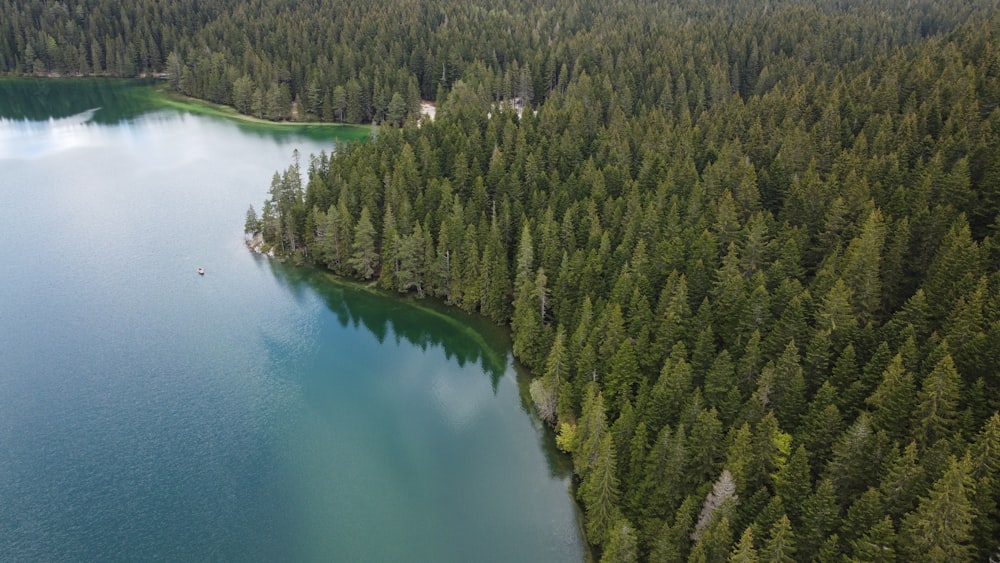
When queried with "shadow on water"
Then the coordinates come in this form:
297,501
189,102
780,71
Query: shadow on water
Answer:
424,323
39,99
117,100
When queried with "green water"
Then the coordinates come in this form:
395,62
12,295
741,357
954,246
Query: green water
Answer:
256,413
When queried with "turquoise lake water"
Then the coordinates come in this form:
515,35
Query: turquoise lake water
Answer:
256,413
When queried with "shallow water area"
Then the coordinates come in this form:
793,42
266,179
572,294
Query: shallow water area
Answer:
257,412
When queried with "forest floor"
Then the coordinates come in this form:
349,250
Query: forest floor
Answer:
428,109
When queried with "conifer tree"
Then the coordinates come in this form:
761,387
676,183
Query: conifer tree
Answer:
903,482
672,542
793,481
556,373
714,543
985,470
937,404
861,267
599,491
862,515
820,517
722,498
495,277
591,429
954,271
894,400
705,445
622,546
854,465
941,527
391,246
821,425
878,545
780,544
364,254
744,552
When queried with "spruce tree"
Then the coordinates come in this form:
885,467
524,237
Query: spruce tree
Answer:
780,544
622,546
878,545
744,552
364,254
600,491
936,415
940,529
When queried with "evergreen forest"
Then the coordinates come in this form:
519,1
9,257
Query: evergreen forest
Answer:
748,249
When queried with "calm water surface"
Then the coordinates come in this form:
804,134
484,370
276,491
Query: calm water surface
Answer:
256,413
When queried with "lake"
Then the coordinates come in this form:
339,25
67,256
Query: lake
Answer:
257,413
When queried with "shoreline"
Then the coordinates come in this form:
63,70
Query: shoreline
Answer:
166,97
178,100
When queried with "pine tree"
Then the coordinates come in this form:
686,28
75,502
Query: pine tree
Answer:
664,485
855,464
526,324
591,429
894,400
622,546
623,373
704,445
670,391
721,388
954,271
985,470
722,498
413,261
364,255
714,543
937,404
672,542
739,459
744,552
878,545
793,482
820,517
861,267
556,373
780,545
941,527
821,425
904,481
830,551
495,277
673,308
599,492
836,314
391,251
788,393
864,513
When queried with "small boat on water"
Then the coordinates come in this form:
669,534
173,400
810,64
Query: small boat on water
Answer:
201,271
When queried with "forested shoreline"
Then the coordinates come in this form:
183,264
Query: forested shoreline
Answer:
748,250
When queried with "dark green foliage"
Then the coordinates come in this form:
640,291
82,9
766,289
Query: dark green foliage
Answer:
894,400
941,527
820,516
600,491
714,542
621,546
937,404
744,552
878,545
793,481
780,544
